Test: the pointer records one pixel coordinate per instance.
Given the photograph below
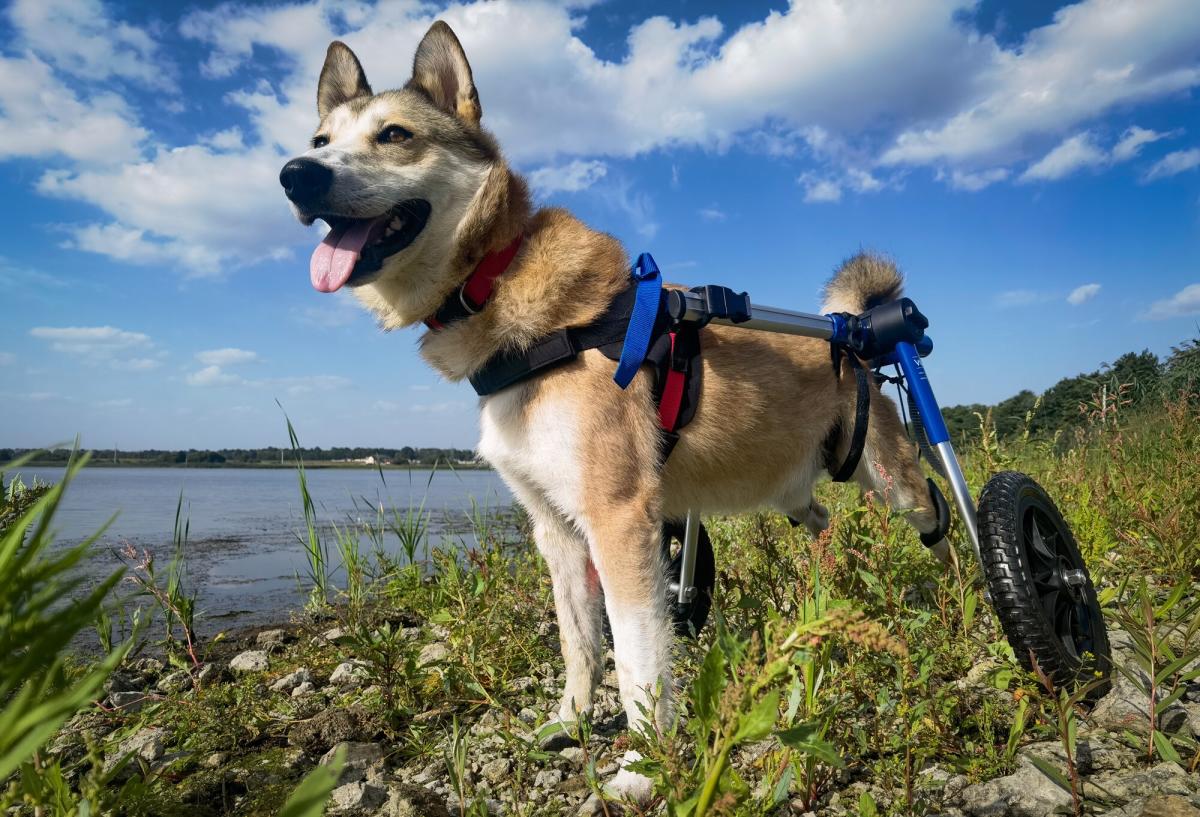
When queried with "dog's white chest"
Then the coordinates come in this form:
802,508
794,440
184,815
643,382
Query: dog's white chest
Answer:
534,447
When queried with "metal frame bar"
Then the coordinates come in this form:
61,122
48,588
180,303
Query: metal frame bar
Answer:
824,327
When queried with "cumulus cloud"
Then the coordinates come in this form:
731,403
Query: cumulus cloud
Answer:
81,38
212,376
920,86
40,117
1173,164
567,178
1132,141
712,213
226,357
1074,153
1184,302
119,348
974,181
1093,56
1082,294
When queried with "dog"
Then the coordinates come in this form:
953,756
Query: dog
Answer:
417,193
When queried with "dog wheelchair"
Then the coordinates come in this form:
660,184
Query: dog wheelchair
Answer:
1035,577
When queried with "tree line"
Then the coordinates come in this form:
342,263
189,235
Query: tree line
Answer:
1135,379
270,455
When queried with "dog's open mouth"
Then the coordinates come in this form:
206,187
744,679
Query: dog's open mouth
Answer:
357,247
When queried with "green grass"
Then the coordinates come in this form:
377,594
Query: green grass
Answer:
831,662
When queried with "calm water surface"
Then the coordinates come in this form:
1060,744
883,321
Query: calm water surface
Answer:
243,550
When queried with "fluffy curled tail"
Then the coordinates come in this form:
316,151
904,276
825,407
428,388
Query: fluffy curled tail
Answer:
862,282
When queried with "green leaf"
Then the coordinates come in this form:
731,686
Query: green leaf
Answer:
807,739
1165,750
710,681
757,723
1046,768
866,805
970,602
1162,705
309,798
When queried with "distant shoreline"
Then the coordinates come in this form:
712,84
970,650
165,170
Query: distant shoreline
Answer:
311,465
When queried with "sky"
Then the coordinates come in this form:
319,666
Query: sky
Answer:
1034,170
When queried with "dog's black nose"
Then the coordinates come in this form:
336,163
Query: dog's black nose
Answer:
305,181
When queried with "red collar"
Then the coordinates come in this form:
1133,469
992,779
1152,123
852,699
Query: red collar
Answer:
476,291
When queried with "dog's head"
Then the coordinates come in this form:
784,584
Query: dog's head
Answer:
395,175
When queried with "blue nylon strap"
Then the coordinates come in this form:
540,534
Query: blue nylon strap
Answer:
641,321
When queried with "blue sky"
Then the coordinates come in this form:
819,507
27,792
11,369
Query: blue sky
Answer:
1034,171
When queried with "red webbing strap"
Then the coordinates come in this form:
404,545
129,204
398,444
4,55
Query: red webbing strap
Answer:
478,288
672,395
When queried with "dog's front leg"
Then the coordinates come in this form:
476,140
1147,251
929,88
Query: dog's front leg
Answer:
577,604
626,548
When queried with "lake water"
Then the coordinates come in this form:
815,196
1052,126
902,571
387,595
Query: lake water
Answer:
243,548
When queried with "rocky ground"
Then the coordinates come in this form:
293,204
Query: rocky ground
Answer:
308,706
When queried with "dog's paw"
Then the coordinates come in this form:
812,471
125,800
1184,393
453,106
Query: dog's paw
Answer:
629,785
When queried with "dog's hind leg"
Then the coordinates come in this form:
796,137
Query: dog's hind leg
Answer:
889,467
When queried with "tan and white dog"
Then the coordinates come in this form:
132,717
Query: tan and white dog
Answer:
416,193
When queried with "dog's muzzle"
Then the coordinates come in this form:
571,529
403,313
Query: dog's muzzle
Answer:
305,182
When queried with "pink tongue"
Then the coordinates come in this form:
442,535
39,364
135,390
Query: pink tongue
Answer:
335,257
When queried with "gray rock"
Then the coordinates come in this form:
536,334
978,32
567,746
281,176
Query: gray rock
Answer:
271,638
495,771
211,674
434,653
359,758
292,680
215,760
249,661
1168,805
522,684
348,674
121,681
177,681
573,754
148,744
337,635
149,667
1165,778
128,701
547,779
356,799
306,688
406,800
1024,793
527,715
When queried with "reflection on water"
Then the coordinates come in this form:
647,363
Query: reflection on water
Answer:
243,552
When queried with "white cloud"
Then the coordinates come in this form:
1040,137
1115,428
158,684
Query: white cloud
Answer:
972,181
1083,293
1132,140
212,376
90,340
1174,163
438,408
1095,55
40,117
712,213
918,86
168,209
567,178
118,348
1074,153
7,358
122,402
1184,302
226,357
80,38
817,190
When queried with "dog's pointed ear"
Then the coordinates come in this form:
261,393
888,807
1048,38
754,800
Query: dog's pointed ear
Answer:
441,71
342,79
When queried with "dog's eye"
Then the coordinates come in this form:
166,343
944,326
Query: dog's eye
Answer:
320,141
394,133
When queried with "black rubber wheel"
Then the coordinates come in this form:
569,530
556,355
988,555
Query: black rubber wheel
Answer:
689,617
1039,585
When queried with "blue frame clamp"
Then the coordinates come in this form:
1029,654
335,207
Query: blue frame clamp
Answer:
641,320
